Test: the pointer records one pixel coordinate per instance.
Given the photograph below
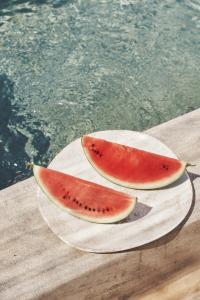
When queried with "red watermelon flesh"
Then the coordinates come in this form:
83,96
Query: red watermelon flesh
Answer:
84,199
131,167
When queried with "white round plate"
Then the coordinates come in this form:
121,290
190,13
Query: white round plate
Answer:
156,213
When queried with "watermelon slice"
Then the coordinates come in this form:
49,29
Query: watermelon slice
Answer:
84,199
131,167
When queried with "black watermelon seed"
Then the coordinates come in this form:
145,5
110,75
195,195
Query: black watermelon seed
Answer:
86,207
89,208
165,167
93,209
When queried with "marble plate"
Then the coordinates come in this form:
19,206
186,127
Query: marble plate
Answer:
157,212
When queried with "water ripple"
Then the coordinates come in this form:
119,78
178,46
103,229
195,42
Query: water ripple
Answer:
194,4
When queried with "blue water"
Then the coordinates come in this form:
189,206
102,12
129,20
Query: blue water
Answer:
72,67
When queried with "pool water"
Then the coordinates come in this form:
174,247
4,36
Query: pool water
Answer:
68,68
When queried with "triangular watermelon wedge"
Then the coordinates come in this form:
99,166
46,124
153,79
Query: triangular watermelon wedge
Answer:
84,199
131,167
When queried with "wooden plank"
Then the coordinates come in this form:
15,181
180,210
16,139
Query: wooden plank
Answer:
181,287
35,264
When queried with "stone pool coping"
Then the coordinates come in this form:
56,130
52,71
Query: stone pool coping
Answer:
35,264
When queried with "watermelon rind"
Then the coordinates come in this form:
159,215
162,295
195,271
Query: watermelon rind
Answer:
110,219
156,184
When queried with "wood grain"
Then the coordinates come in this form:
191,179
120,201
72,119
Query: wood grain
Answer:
35,264
157,211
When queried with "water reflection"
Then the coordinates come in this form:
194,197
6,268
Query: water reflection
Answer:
13,141
8,6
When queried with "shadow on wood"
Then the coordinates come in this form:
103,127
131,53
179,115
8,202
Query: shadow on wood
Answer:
140,270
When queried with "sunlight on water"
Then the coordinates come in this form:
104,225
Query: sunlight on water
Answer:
194,4
72,67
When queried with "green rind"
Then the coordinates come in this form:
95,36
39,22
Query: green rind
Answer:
104,220
138,186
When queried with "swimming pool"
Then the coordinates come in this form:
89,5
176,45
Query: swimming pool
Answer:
72,67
